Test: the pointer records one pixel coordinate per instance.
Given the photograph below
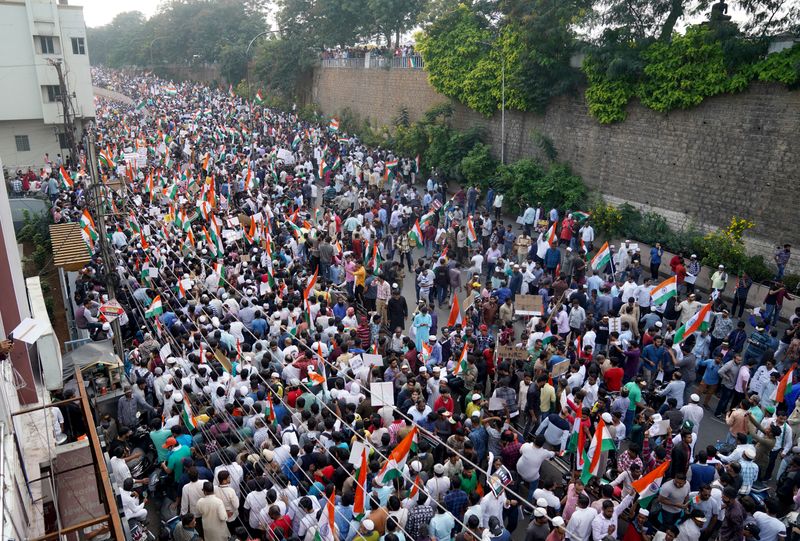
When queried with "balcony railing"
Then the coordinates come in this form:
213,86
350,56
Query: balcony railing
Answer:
376,62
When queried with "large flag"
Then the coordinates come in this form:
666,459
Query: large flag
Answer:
783,384
415,234
577,443
472,237
391,166
359,508
326,531
601,258
647,486
87,224
334,125
663,291
461,362
66,180
455,313
393,467
701,321
156,309
259,98
602,441
188,417
551,235
105,159
311,283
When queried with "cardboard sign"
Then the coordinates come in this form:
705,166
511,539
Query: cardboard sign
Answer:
510,352
30,330
559,369
373,360
529,305
220,356
165,352
382,393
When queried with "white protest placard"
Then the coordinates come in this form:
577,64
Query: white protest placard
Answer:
356,362
660,428
372,359
615,324
165,352
233,222
382,393
356,452
29,330
497,404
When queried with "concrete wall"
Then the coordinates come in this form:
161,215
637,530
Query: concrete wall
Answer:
42,140
731,155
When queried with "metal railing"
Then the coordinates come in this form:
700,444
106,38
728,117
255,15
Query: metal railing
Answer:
376,62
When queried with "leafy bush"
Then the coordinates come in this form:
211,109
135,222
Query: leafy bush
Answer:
36,230
725,246
478,167
527,181
607,219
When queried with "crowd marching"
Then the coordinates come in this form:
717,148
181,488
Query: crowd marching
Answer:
294,388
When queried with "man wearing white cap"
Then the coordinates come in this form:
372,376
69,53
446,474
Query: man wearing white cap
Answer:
693,412
437,486
539,528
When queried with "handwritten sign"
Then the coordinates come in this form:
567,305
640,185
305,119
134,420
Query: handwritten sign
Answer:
529,305
373,360
510,352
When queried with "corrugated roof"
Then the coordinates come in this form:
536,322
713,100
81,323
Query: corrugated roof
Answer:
69,249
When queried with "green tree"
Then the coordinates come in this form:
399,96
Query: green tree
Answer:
391,18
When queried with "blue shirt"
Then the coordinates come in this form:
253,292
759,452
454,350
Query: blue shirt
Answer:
654,357
480,441
711,375
655,256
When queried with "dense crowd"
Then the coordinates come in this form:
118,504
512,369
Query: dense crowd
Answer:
281,284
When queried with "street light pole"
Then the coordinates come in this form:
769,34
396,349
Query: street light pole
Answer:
250,90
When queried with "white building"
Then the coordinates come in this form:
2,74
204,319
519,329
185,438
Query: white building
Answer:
33,35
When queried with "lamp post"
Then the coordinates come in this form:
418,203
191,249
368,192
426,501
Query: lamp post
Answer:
250,91
150,48
502,105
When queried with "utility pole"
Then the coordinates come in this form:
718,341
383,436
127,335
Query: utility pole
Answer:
69,125
97,196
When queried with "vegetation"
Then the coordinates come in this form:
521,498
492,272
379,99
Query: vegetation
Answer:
638,54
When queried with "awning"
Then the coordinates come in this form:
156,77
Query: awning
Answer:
69,249
89,354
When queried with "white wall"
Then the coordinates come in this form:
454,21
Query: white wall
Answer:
23,72
41,137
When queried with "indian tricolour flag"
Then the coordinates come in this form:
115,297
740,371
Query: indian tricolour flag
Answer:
66,180
461,362
551,235
393,468
170,90
334,125
601,442
472,237
577,443
601,258
415,234
188,416
156,308
326,531
455,313
663,291
359,507
259,98
87,224
647,486
701,321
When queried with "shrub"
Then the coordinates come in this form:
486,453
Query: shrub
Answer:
607,219
478,167
527,181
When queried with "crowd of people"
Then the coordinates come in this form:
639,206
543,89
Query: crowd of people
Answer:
325,344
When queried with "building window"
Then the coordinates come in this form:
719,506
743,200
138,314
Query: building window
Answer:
53,93
62,141
78,46
46,45
22,142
